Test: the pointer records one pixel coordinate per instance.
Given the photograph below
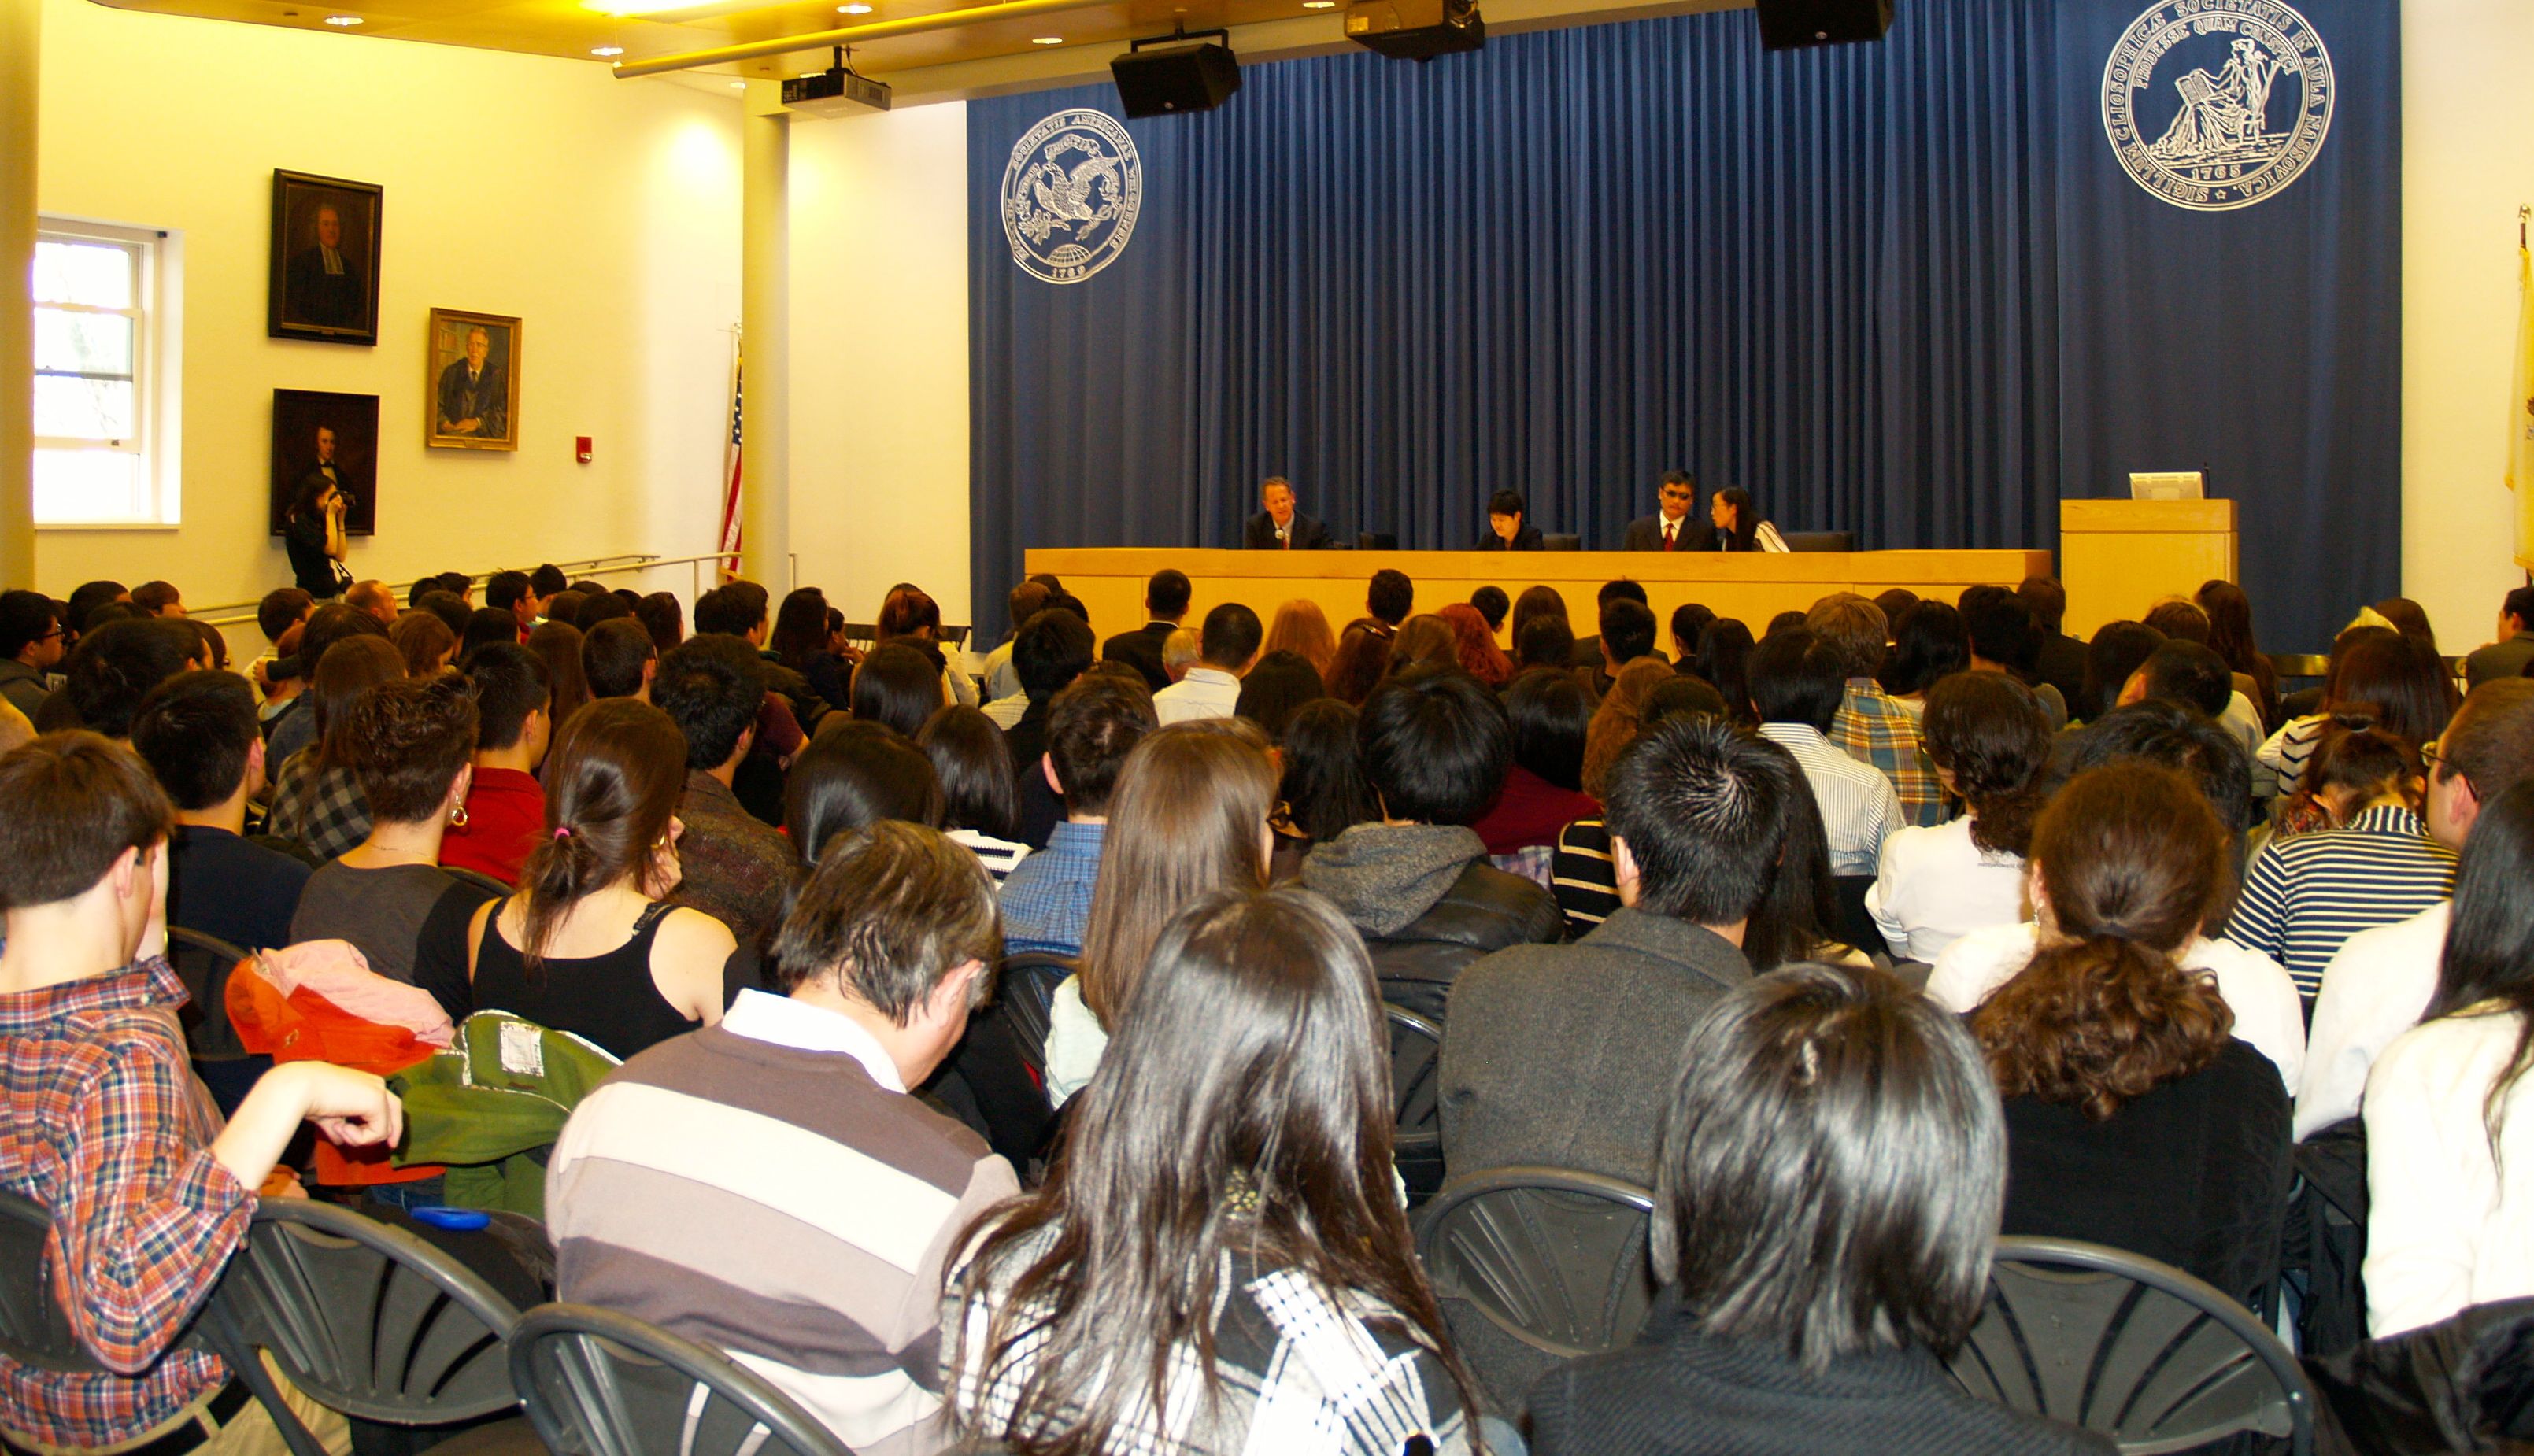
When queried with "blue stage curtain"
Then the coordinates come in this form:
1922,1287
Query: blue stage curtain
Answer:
1883,287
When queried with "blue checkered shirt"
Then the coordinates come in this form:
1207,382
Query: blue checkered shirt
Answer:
1047,898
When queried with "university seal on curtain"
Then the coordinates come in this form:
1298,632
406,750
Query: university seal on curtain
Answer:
1070,195
2215,105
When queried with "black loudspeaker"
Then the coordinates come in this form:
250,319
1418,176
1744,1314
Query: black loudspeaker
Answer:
1786,25
1169,80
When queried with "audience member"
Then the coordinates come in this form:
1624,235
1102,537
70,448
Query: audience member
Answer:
891,945
853,775
103,1128
1627,637
424,641
1797,683
1166,606
1689,622
2448,1150
1180,652
1543,790
1545,640
1053,648
1436,747
1093,726
611,605
980,792
1323,793
1723,662
1389,598
2061,660
453,613
897,686
2380,980
490,625
503,814
1536,602
1363,660
374,598
2004,639
2230,635
1229,648
2402,686
1988,739
2304,894
1895,601
2181,738
547,579
1827,1194
1191,813
30,646
1492,605
2410,619
661,616
1003,682
591,943
1589,652
87,596
1301,627
1256,1288
196,732
1475,645
1928,642
114,666
1275,689
618,658
2179,617
2119,650
2134,1117
910,615
1616,721
1581,874
801,643
317,801
1870,727
513,592
2507,656
559,644
297,728
734,867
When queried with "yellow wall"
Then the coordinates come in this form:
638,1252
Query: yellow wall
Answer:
604,213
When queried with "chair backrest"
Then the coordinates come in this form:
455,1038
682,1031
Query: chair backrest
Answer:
1376,541
1819,540
1025,987
1415,1066
1857,924
204,963
366,1318
1553,1257
602,1383
477,879
33,1331
2134,1349
1561,541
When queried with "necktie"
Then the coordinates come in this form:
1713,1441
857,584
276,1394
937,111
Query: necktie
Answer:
1668,528
1284,538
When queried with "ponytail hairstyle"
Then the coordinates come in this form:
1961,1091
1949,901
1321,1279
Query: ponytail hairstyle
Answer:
2489,964
2131,863
1988,731
613,781
2358,761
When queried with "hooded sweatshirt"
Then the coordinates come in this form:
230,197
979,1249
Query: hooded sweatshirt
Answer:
1383,877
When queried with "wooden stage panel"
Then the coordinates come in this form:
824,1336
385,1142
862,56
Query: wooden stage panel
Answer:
1753,586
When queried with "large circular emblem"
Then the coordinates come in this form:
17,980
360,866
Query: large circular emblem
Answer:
1070,195
2215,105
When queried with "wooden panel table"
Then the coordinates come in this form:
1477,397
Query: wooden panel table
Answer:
2123,557
1753,586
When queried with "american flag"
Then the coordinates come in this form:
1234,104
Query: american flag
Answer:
730,532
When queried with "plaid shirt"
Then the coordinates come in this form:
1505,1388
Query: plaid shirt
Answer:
322,809
1873,729
1297,1367
102,1124
1047,898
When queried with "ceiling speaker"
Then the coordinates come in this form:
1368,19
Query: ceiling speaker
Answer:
1787,24
1169,80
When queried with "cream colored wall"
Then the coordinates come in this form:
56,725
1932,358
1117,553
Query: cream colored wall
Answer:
880,356
2467,164
605,213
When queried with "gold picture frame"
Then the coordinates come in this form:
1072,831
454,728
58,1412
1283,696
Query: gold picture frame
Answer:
457,377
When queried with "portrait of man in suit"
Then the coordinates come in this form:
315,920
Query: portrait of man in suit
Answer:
1277,527
325,260
474,380
324,283
1676,525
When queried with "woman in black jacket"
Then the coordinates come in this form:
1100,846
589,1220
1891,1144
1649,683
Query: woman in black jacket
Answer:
1825,1198
1508,530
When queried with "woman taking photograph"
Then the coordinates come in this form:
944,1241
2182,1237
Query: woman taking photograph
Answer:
587,945
1219,1262
1825,1198
312,532
1189,817
1989,741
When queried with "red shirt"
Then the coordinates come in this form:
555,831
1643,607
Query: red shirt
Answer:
1530,811
505,812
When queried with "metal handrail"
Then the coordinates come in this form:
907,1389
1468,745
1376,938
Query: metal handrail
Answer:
228,612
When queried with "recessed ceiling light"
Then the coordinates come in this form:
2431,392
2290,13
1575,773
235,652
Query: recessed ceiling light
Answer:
1319,4
739,85
607,50
343,20
1046,40
857,8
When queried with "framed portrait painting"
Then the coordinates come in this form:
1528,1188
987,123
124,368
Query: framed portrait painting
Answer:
325,259
471,381
322,440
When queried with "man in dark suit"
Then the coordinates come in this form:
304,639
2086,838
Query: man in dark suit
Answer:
474,395
1276,527
1165,604
321,286
1677,525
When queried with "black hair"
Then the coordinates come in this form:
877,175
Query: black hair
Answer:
1391,597
1929,642
1627,629
974,764
487,625
2046,599
25,617
1091,727
1703,806
711,689
196,731
1435,745
548,580
1688,622
1277,688
662,617
2176,736
453,613
1795,678
1678,695
2488,962
1724,660
612,655
732,609
1507,503
2003,631
87,597
2119,648
1616,589
1231,636
1325,790
1168,593
1050,650
897,684
505,589
1545,640
114,667
607,606
1550,715
2185,671
1492,605
510,683
1679,477
1988,731
852,775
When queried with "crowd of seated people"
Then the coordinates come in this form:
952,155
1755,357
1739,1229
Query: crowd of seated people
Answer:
2069,938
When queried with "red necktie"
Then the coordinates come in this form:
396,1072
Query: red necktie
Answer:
1668,528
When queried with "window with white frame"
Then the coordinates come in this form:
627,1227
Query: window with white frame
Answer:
105,415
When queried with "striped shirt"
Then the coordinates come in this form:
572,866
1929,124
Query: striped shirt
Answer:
766,1187
1858,806
999,856
1874,729
1583,876
2307,894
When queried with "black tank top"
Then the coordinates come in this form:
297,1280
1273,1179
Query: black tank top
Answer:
608,999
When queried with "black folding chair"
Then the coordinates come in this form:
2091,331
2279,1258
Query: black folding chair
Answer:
371,1321
477,879
204,963
1025,990
33,1331
602,1383
1535,1267
1416,1068
2137,1350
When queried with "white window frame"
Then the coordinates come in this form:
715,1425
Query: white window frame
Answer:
156,314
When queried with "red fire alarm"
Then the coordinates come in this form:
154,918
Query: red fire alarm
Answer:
581,448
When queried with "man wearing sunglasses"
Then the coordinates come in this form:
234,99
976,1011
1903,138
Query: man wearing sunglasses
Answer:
31,643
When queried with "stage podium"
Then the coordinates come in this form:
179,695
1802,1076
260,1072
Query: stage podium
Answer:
2118,558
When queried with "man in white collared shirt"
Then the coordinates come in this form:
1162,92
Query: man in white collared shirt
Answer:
1796,686
766,1186
1226,649
2379,983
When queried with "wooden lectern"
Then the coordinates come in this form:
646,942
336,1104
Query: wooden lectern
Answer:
2119,558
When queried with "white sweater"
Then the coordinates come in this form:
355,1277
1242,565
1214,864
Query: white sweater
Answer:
2373,990
2443,1229
1936,886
